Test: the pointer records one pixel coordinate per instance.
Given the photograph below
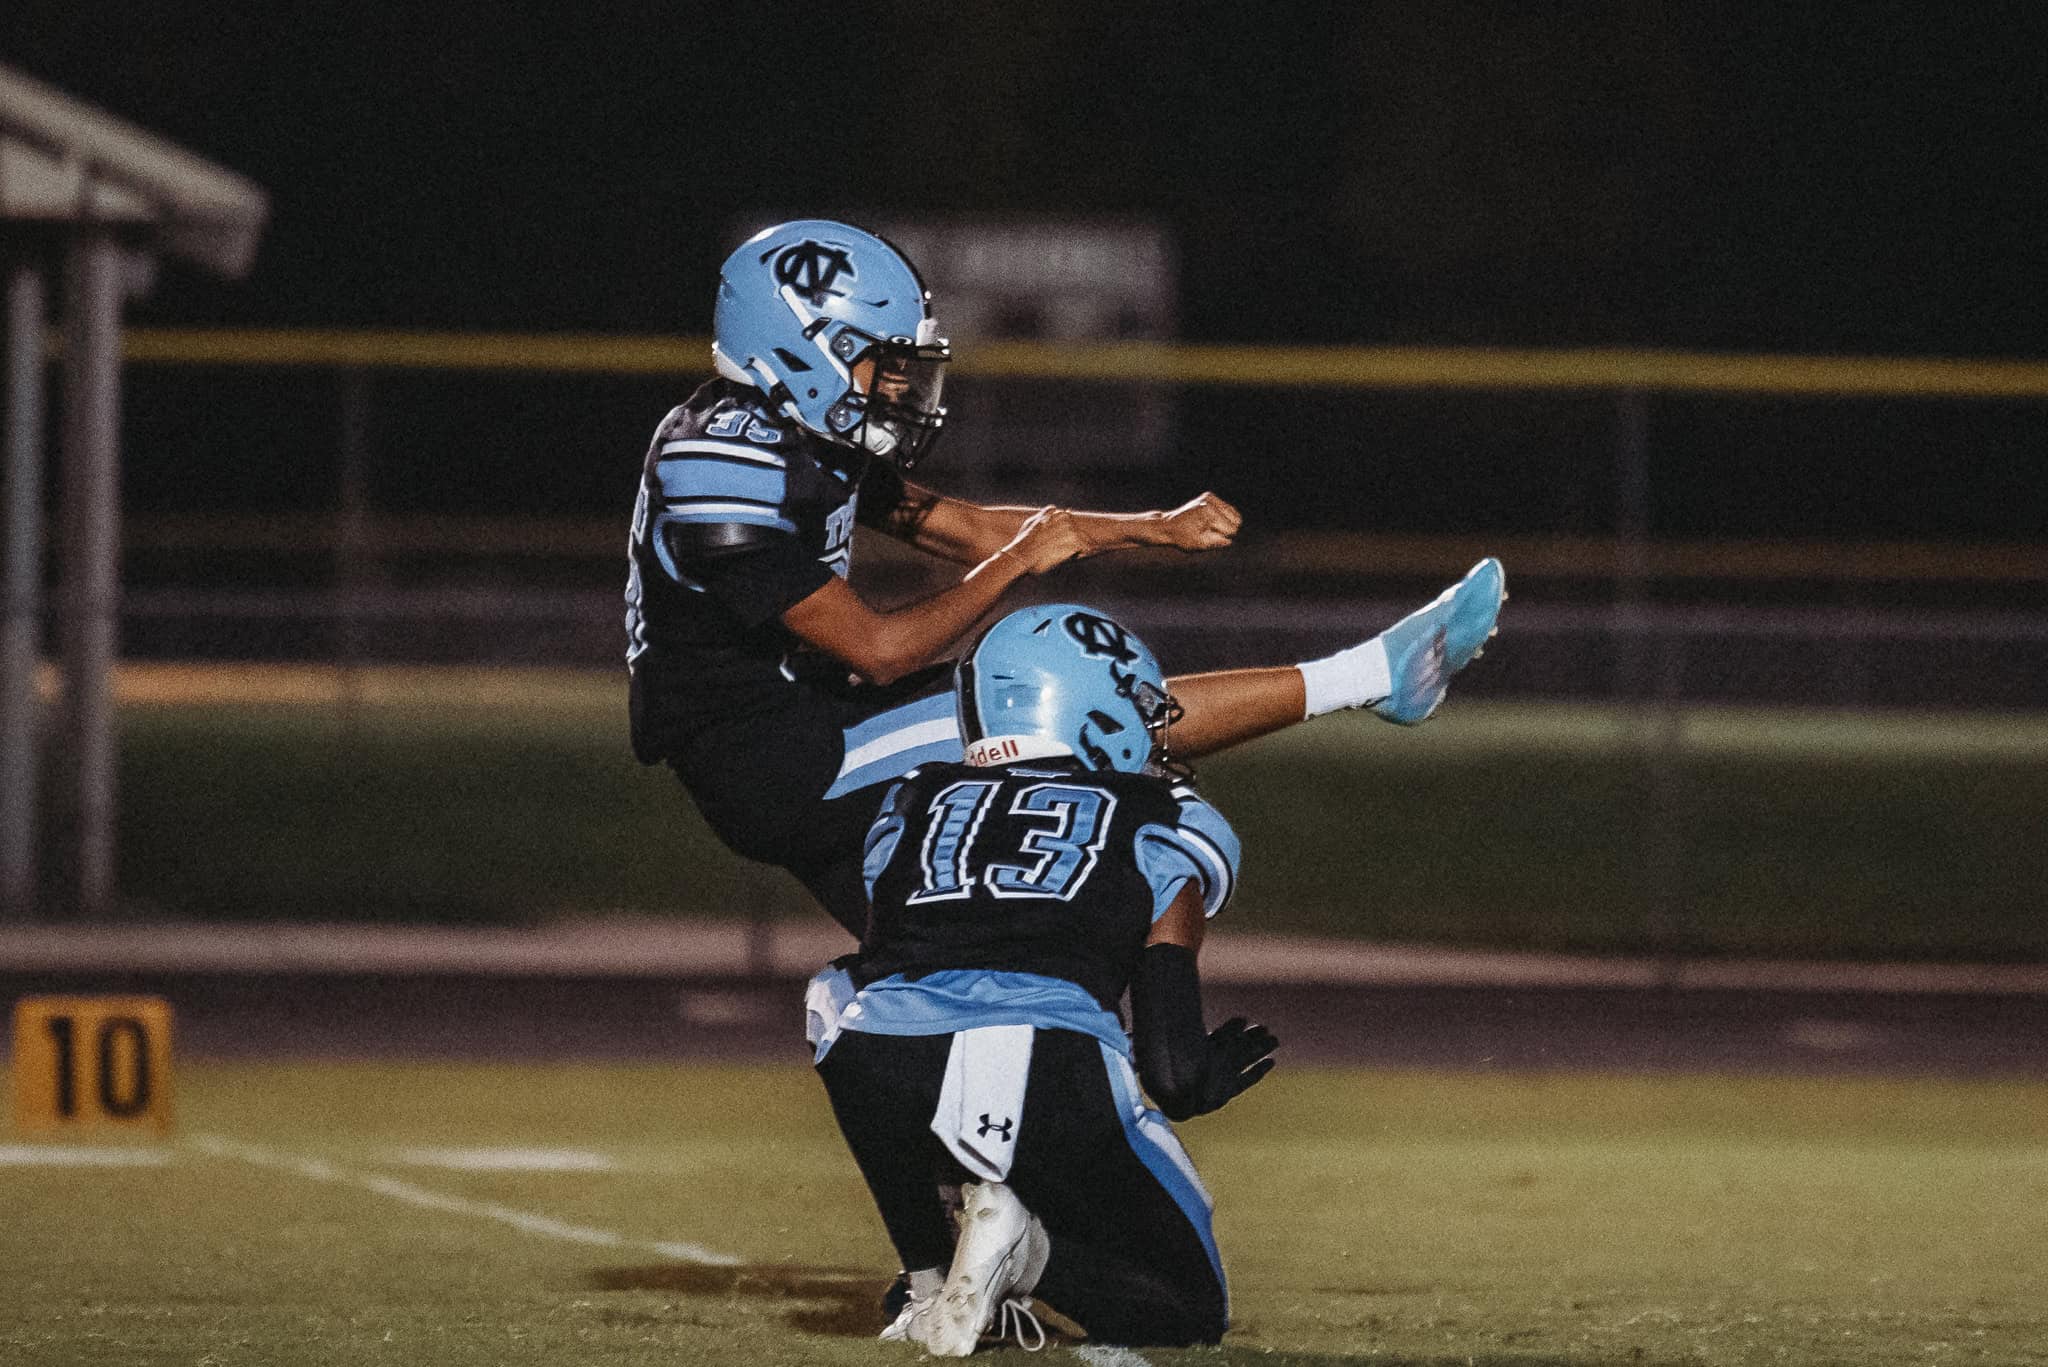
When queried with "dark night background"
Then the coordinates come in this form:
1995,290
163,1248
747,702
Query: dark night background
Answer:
1844,179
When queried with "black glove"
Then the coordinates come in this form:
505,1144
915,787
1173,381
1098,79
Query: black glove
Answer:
1240,1053
1186,1071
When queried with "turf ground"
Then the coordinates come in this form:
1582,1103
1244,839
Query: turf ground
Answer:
508,796
309,1213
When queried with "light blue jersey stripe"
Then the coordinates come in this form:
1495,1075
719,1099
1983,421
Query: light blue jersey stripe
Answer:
968,998
728,450
1208,835
720,479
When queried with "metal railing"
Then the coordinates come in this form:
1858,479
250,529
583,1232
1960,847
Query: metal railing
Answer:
1344,367
356,543
1647,619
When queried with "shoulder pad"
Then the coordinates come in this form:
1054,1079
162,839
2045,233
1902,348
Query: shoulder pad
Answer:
670,421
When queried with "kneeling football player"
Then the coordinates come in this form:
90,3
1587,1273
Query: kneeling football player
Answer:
1016,898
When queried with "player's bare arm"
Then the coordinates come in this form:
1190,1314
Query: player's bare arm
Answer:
1227,707
884,646
1182,923
968,533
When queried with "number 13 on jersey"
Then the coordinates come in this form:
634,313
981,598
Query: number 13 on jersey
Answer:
1067,825
92,1061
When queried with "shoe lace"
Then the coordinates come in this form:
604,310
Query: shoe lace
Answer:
1013,1317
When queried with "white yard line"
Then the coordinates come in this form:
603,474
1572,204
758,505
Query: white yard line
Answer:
1102,1355
507,1160
319,1170
80,1156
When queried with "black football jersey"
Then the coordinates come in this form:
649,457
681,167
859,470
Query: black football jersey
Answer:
741,515
1038,866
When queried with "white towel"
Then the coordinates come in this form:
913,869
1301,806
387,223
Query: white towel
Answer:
981,1103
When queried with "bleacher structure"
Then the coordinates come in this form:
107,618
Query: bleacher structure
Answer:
108,200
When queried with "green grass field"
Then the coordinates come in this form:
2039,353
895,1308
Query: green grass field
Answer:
1813,834
1364,1216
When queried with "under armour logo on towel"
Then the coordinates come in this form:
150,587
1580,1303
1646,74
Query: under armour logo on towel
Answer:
989,1127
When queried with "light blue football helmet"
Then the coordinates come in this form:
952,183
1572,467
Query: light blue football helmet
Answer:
802,305
1062,679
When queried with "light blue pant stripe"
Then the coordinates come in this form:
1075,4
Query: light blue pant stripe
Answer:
890,744
896,766
899,718
1152,1139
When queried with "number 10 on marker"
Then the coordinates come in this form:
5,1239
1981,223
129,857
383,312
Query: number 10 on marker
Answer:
92,1061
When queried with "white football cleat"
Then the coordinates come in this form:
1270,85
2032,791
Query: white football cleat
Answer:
924,1294
999,1259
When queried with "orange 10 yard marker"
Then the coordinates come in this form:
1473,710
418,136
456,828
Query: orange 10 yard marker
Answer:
93,1062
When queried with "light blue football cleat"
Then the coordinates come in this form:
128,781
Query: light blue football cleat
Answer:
1430,644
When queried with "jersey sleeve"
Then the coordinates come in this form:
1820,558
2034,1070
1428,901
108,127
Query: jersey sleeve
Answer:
1199,848
763,581
722,529
881,493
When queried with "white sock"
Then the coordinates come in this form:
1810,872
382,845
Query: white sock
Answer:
1354,677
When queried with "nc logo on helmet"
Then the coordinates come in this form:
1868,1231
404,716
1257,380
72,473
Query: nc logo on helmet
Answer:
810,268
1100,638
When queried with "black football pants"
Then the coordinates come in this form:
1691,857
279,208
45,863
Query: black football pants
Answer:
1132,1257
769,783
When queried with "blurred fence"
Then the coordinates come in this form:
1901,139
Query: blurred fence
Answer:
1825,530
1679,529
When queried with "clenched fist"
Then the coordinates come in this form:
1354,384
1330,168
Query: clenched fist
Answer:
1204,523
